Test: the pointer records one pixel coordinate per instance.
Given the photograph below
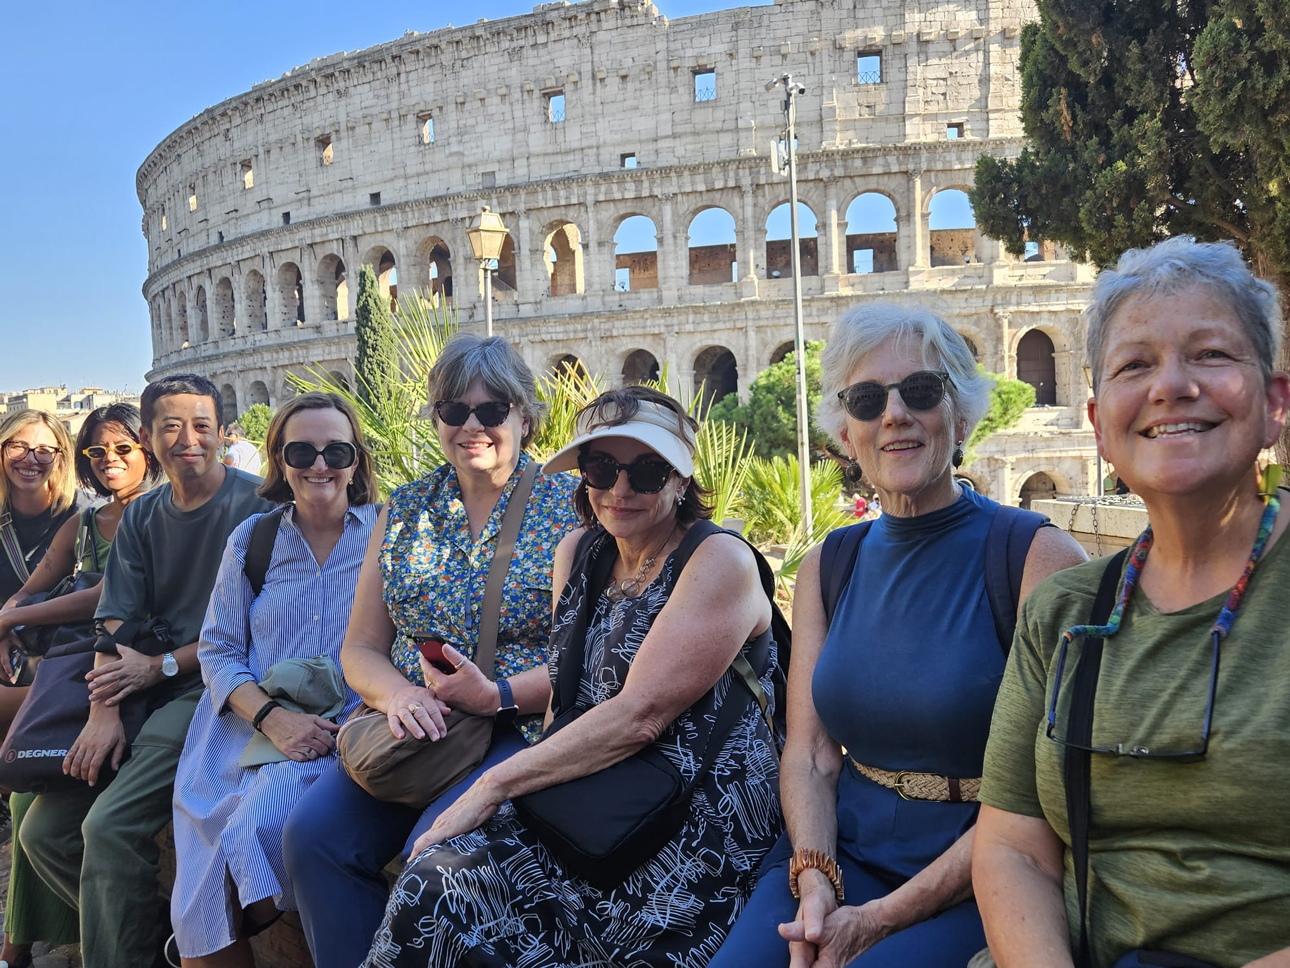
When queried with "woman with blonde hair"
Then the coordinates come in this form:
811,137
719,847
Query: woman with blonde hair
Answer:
252,753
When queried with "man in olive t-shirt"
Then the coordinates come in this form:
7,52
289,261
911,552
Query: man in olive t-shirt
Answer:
96,847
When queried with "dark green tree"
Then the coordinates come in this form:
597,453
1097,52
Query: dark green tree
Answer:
255,421
1149,118
376,367
770,415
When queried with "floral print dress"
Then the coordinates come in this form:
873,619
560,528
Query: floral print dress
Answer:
496,897
435,570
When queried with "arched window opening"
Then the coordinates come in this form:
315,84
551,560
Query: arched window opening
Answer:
333,282
254,300
1037,366
779,242
291,294
952,227
717,373
1038,487
971,345
440,272
636,254
782,350
504,275
563,260
257,393
181,320
568,365
339,379
203,319
640,365
712,248
229,396
225,314
871,234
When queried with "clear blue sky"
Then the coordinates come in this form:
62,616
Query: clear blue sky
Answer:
90,89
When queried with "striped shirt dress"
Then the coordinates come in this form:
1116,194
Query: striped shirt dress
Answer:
229,820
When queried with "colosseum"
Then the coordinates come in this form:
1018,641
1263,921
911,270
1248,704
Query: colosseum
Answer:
630,157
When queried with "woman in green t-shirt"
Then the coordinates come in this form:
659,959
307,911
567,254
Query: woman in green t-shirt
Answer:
109,461
1188,758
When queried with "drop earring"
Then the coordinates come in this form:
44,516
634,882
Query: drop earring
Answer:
852,473
957,457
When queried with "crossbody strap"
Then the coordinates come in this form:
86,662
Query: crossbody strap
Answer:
1078,762
83,535
12,549
1007,544
490,617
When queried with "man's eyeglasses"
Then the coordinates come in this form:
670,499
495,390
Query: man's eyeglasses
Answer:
921,391
17,450
122,449
490,414
1136,750
646,475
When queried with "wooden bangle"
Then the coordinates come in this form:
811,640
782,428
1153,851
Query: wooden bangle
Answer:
807,858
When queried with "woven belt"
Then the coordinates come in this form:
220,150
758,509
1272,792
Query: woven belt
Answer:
922,786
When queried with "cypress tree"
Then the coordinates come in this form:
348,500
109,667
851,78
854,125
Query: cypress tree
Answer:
376,367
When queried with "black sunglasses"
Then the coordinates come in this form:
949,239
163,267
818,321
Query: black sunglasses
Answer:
646,475
921,391
301,454
455,413
1138,750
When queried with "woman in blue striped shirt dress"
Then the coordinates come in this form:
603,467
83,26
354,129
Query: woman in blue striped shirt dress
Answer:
231,879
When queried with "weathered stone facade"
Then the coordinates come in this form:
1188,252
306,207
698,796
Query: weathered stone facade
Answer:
571,119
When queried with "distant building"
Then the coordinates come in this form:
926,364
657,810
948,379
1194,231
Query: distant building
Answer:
71,408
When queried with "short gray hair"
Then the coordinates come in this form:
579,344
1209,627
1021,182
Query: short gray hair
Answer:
1182,263
863,329
468,357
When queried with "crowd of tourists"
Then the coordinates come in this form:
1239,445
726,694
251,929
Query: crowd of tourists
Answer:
564,704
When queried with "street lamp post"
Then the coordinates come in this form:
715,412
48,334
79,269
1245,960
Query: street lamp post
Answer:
486,236
791,92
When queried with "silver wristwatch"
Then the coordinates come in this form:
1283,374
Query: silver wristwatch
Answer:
169,665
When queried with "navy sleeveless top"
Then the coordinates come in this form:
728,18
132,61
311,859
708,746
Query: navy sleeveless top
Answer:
907,677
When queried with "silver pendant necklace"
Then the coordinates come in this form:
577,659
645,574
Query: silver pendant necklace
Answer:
628,586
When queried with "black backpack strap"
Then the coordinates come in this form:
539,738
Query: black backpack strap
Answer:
594,557
837,562
1006,546
259,550
1078,762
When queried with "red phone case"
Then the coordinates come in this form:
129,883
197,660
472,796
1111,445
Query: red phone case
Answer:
432,649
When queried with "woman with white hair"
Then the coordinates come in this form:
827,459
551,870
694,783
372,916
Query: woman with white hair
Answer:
1134,795
898,648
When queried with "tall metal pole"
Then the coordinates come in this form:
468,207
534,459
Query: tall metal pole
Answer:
488,298
803,414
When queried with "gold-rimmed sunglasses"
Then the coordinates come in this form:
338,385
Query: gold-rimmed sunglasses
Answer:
122,449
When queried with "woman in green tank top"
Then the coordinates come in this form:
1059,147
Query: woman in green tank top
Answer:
110,462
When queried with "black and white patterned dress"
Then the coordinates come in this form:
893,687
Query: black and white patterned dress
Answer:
497,897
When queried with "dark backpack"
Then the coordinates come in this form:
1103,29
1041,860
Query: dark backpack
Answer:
1006,545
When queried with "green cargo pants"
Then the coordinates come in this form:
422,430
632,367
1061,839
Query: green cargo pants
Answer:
96,848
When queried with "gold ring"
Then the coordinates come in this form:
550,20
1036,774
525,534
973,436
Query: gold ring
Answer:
414,707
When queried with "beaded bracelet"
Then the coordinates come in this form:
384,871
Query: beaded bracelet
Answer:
807,858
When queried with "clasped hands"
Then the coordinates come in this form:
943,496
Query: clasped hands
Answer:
825,935
420,709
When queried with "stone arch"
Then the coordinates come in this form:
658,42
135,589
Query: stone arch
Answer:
562,258
1037,365
203,319
229,395
381,259
225,310
504,277
332,280
254,299
339,379
1037,487
782,350
712,242
291,294
639,366
717,372
635,253
567,363
779,241
971,345
952,228
432,269
872,234
181,318
258,392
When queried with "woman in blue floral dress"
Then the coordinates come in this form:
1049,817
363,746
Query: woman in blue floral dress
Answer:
425,573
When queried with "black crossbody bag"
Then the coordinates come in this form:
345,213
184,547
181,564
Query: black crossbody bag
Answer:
606,825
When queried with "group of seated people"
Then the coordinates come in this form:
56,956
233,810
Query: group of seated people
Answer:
996,751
